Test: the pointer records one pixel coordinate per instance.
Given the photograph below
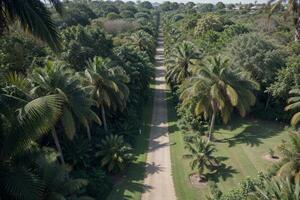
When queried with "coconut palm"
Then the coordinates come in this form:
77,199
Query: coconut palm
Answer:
107,85
218,89
291,157
33,16
181,59
293,8
114,153
201,153
294,104
277,189
55,79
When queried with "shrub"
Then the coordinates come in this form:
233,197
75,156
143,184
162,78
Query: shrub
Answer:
78,152
209,22
99,185
114,153
119,26
112,16
127,14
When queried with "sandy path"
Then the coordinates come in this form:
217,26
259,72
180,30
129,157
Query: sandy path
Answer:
158,170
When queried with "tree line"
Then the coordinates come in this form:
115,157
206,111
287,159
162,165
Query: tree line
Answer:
224,63
71,94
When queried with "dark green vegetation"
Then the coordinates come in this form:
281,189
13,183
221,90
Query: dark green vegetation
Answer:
132,185
70,115
226,61
76,103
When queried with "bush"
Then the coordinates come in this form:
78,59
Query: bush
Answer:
78,152
83,43
177,18
256,55
119,26
114,153
142,15
19,53
112,16
99,185
127,14
209,22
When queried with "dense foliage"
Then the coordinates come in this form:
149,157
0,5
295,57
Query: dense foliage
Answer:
68,118
248,65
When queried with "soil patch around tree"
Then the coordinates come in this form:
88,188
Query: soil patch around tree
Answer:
270,158
196,181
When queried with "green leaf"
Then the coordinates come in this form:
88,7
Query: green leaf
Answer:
68,123
232,95
295,119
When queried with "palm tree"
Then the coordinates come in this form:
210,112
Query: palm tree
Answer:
201,153
294,104
291,157
181,59
114,153
293,8
277,189
55,185
22,122
218,89
108,85
55,79
33,16
142,41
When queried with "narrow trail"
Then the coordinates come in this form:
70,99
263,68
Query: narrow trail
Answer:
158,178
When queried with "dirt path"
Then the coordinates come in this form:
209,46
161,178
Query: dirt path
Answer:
158,170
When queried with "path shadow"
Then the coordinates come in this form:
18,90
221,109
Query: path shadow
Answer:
156,145
152,168
135,182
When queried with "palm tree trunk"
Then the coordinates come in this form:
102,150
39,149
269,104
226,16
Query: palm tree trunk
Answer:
212,123
3,24
88,131
297,30
58,147
104,118
200,174
268,102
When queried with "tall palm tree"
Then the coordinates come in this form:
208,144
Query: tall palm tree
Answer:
55,79
201,153
178,65
291,157
107,85
218,89
33,16
293,8
294,104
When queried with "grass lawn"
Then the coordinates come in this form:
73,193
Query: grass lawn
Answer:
132,184
242,144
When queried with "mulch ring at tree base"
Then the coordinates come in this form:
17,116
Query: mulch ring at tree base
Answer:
196,181
272,159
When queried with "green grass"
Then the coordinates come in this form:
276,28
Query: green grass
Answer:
242,145
131,186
